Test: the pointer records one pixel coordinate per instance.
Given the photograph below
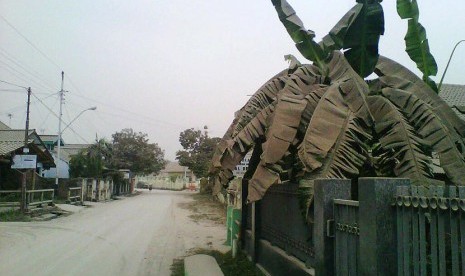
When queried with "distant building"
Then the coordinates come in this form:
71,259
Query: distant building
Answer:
243,166
67,151
173,170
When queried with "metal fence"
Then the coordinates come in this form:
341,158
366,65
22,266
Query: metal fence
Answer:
430,230
392,228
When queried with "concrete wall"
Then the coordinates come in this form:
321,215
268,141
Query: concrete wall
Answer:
163,183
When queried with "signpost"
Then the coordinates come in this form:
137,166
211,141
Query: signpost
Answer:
24,161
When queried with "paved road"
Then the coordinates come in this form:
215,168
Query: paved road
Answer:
134,236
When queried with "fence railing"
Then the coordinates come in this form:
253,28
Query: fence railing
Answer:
39,197
75,194
430,230
12,198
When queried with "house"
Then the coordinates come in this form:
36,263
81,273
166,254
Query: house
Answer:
67,151
173,170
51,141
12,143
172,177
240,169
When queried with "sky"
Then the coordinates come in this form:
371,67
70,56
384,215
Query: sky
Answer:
160,67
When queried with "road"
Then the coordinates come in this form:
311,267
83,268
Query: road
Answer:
138,235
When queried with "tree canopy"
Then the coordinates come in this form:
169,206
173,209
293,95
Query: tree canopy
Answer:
197,150
128,150
132,150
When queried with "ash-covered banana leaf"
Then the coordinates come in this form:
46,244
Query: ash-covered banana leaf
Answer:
393,74
399,139
430,128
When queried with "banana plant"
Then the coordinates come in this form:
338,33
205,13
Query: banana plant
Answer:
325,120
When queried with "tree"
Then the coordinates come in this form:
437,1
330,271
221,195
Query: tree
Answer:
198,150
90,162
325,120
132,150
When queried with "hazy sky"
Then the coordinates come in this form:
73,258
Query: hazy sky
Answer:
164,66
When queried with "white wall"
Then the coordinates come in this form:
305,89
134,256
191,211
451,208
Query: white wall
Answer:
64,170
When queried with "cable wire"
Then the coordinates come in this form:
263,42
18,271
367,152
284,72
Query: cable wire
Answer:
29,42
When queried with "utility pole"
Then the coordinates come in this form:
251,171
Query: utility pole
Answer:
59,129
23,205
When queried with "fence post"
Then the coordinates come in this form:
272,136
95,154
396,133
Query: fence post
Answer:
325,190
378,246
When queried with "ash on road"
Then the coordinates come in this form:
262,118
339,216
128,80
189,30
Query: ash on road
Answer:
138,235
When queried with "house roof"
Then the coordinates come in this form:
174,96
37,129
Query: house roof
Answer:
70,150
174,167
3,126
454,96
49,138
11,140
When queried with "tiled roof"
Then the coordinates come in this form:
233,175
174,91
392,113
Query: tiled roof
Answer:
454,95
12,139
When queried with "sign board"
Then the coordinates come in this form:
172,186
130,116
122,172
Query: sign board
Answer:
24,161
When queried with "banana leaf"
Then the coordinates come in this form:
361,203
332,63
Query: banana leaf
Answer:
335,39
331,147
431,128
262,98
302,37
394,75
281,133
399,139
416,43
353,88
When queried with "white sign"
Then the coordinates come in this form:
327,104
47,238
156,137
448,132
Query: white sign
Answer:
24,162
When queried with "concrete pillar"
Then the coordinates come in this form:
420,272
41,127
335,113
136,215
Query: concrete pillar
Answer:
325,190
378,244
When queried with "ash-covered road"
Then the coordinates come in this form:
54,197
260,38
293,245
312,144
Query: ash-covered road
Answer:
138,235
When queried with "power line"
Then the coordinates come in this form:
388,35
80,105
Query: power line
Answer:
21,78
19,64
131,112
29,42
54,114
10,83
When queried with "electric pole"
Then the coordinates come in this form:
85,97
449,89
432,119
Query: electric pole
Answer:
23,205
59,128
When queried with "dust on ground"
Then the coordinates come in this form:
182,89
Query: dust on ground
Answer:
205,209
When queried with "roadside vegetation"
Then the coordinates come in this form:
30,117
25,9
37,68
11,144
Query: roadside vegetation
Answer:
205,208
230,266
13,215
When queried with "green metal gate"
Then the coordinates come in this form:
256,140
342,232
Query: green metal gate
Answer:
346,233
